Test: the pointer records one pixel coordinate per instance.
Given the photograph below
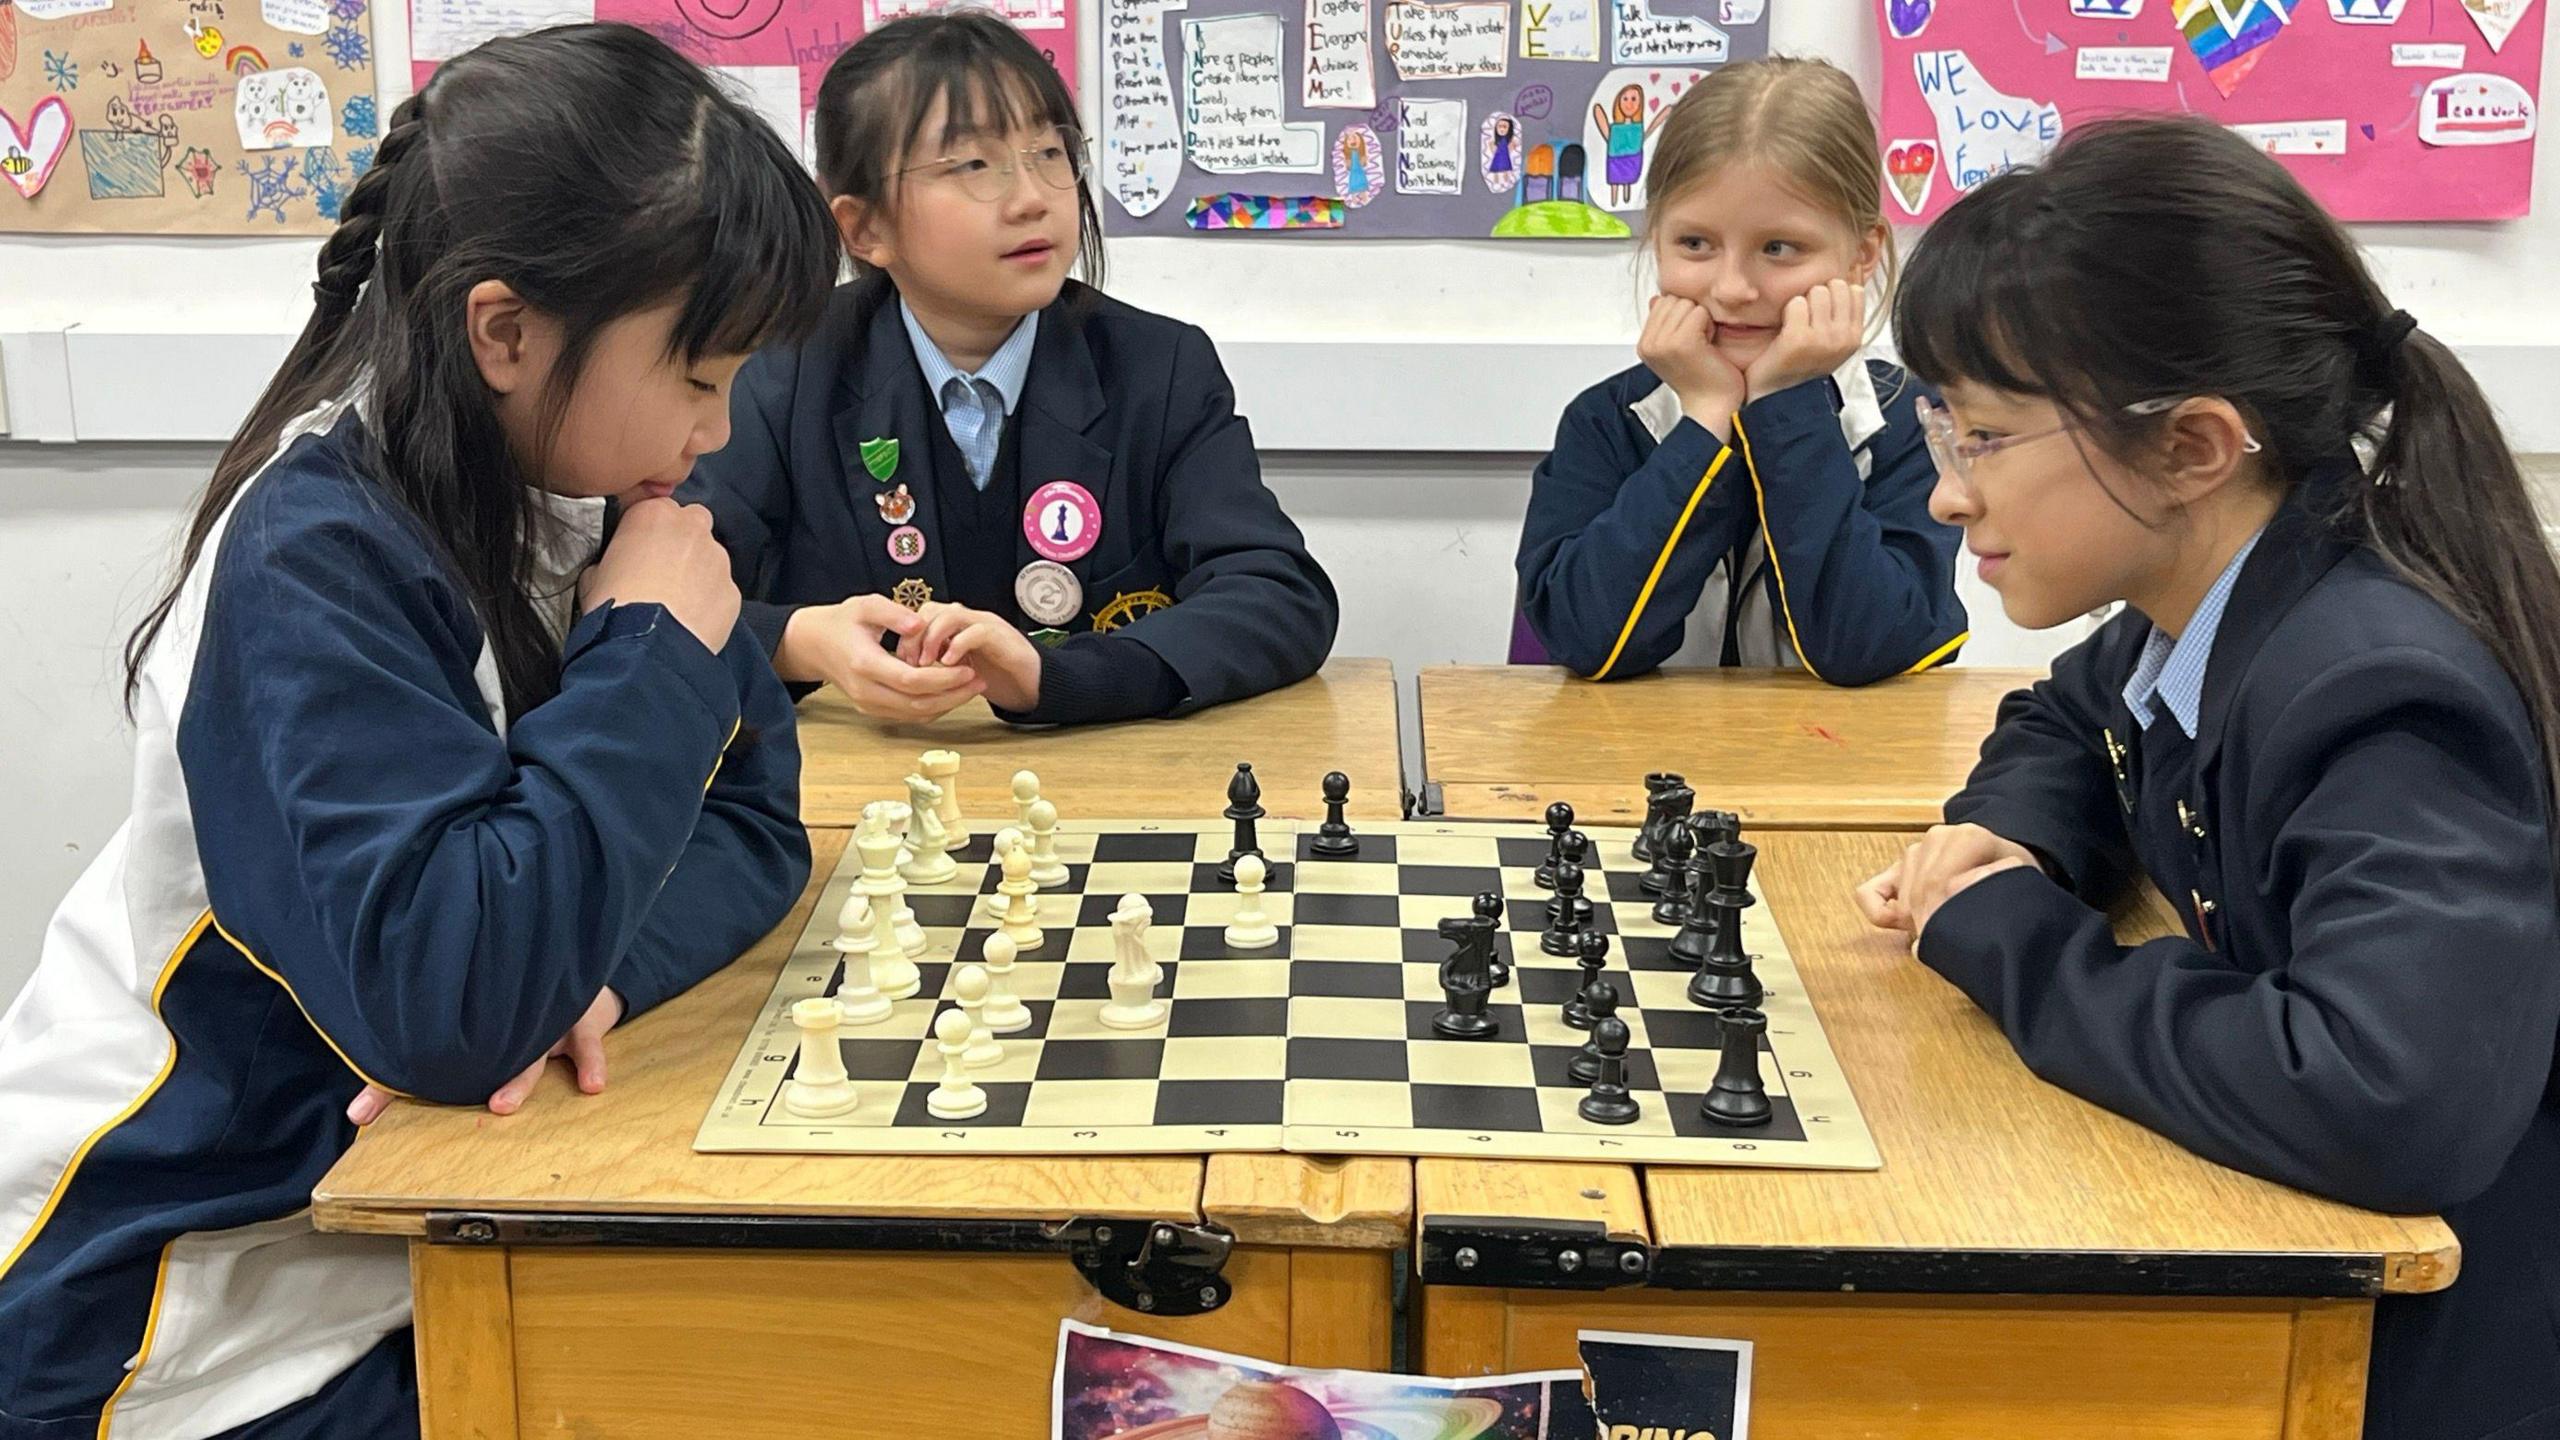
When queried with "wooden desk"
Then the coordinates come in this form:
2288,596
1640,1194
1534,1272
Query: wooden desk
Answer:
580,1270
1342,718
2025,1264
1778,747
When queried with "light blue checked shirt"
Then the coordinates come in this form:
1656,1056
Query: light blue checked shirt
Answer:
2171,670
974,406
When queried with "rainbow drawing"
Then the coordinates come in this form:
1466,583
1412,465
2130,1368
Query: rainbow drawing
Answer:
2230,36
244,60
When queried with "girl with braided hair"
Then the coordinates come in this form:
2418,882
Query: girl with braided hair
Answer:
433,781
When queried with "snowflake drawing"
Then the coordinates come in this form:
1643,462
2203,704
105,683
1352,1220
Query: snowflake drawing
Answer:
359,160
294,49
329,182
358,119
346,46
198,168
271,184
348,10
61,71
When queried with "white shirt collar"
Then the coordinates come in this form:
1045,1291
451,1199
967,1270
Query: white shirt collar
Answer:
1861,412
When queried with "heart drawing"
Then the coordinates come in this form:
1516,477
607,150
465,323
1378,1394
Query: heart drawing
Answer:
2496,18
1912,166
1907,18
28,155
2229,37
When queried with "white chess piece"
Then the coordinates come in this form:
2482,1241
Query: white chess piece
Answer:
1026,789
1251,929
931,862
891,818
1006,839
1134,976
1005,1012
857,938
880,884
942,767
969,992
1022,910
818,1087
1047,870
957,1097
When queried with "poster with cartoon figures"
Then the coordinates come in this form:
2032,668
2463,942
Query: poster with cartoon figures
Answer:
183,117
773,53
1430,119
2384,109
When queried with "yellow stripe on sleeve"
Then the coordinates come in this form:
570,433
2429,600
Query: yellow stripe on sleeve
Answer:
1663,560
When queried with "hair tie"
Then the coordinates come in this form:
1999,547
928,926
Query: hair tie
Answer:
2395,327
2378,348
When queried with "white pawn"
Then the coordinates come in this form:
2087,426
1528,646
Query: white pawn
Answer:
1252,928
969,992
957,1097
1022,911
858,993
930,861
1047,870
1005,1013
942,767
1026,789
818,1087
1134,975
1006,839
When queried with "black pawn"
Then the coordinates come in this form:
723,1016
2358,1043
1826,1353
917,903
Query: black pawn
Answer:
1649,838
1576,852
1559,824
1565,912
1697,927
1679,847
1244,806
1334,840
1488,906
1736,1098
1591,952
1584,1067
1674,804
1724,977
1609,1103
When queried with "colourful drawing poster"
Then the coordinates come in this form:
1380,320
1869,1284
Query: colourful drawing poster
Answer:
183,117
1413,119
2385,109
774,52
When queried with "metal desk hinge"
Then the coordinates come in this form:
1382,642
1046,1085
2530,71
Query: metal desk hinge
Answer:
1526,1254
1155,1267
1429,801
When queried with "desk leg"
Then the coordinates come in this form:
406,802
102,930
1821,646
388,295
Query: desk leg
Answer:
1341,1309
2324,1398
465,1305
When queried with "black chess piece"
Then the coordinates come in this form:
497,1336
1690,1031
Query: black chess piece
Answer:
1566,912
1466,980
1724,977
1489,908
1649,836
1559,824
1697,925
1334,840
1609,1103
1716,827
1591,952
1576,852
1679,846
1602,1000
1737,1098
1674,806
1244,806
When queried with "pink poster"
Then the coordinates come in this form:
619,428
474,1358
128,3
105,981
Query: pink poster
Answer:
2385,109
773,51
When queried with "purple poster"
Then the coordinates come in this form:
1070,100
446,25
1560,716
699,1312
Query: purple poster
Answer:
1419,119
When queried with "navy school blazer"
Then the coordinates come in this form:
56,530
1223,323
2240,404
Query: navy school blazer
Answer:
1130,405
2365,1001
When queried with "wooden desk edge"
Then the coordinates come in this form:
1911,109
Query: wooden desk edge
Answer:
1312,1202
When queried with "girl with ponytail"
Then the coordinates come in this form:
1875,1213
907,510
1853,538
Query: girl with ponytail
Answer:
2324,726
433,781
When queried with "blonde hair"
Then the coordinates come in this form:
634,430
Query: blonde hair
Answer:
1804,118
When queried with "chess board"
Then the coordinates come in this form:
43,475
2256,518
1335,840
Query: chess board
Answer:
1321,1044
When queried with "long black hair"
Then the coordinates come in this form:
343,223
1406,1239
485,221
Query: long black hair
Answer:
596,173
876,97
2154,258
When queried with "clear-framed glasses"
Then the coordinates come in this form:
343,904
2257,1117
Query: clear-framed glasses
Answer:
1954,455
984,170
